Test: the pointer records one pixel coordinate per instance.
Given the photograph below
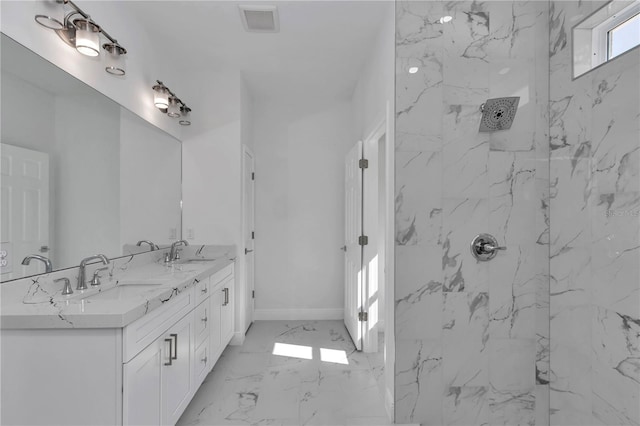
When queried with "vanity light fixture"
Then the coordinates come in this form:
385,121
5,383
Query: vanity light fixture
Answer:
167,102
115,58
174,108
186,116
87,37
83,34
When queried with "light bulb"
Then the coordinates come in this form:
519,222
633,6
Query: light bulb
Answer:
174,108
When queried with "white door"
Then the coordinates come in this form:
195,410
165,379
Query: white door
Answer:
249,233
353,250
24,209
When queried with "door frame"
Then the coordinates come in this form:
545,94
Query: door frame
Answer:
248,285
370,143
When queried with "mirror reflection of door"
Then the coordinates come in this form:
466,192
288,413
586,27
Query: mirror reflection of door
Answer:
24,209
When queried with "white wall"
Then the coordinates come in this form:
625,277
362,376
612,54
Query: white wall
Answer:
145,62
299,151
150,182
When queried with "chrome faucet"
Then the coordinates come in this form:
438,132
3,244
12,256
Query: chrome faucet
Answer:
47,263
173,254
151,244
82,284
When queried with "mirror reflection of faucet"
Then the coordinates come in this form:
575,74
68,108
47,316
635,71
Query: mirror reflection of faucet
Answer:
173,254
47,263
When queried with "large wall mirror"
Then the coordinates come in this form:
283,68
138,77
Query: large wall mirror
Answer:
80,174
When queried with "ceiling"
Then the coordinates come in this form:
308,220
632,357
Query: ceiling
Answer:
319,50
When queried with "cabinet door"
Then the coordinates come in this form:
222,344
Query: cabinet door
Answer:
178,372
142,402
215,339
226,319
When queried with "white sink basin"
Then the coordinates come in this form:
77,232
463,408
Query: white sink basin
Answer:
122,292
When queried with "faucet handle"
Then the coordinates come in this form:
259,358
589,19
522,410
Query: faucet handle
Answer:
67,286
96,276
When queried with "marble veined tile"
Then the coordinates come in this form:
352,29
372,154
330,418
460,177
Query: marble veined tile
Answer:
616,367
465,337
251,385
419,381
418,198
464,406
512,365
509,408
463,219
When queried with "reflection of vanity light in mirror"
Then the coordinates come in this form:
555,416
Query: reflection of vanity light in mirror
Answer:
84,35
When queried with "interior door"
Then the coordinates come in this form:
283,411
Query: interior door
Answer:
248,232
24,209
353,249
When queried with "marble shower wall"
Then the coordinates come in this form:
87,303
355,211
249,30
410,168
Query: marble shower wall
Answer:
471,337
595,232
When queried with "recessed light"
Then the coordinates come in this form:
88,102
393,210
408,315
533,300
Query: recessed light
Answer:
413,70
445,19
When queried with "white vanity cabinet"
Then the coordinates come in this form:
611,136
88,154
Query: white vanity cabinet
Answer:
145,373
160,380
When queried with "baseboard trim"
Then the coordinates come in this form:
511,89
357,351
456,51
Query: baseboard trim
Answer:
298,314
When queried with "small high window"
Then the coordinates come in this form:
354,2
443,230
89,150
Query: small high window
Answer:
607,33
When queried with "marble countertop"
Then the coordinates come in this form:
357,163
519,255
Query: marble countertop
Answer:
122,298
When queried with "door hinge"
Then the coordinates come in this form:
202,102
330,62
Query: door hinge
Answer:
363,163
253,176
363,316
253,294
363,240
253,235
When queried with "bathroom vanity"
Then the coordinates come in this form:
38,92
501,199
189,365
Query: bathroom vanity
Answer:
131,351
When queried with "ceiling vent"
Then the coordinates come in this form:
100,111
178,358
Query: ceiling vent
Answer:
260,19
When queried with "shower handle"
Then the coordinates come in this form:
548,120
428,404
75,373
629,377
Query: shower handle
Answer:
485,247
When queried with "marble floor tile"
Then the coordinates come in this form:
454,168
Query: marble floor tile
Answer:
250,385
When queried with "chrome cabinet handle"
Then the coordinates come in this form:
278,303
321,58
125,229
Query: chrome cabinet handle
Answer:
485,247
205,319
204,360
175,336
170,351
204,290
247,251
226,296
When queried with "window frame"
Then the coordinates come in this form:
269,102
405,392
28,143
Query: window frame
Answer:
601,33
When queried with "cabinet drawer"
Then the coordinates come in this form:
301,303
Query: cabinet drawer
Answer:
202,290
202,321
202,362
140,333
221,276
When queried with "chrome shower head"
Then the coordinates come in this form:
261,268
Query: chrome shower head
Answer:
498,113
